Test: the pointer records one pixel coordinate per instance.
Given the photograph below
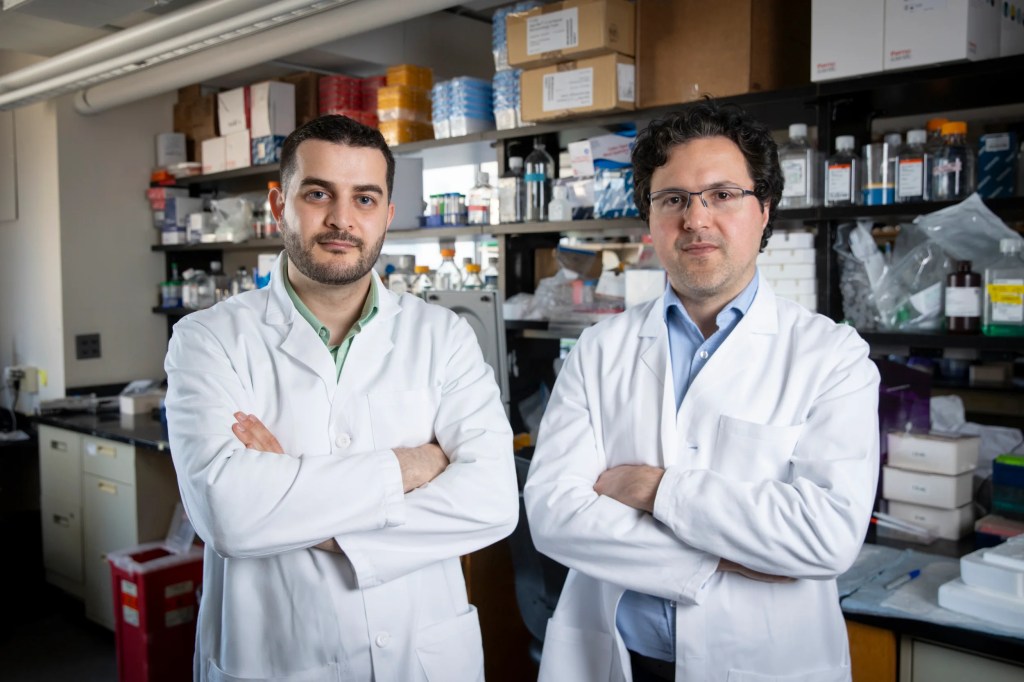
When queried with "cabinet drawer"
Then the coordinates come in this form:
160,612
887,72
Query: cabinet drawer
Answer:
108,459
60,467
62,540
110,524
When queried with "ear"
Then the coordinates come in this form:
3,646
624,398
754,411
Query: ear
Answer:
276,197
765,212
391,216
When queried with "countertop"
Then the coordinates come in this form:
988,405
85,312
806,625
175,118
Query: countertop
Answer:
141,430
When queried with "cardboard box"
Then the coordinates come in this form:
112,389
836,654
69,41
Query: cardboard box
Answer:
170,149
572,29
1011,30
140,403
585,86
920,32
233,111
938,453
613,149
997,165
307,96
948,524
214,155
182,117
266,150
271,109
689,48
203,118
237,150
930,490
847,38
178,209
190,93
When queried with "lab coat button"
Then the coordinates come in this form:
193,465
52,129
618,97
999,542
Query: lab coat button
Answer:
703,355
343,440
382,640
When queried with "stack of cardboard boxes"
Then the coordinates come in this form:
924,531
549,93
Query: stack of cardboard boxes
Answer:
788,264
403,105
195,115
252,122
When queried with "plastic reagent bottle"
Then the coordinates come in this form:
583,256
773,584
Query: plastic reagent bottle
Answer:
953,168
1004,291
912,166
842,174
537,178
447,277
479,204
473,280
512,192
963,300
491,275
799,169
559,207
423,283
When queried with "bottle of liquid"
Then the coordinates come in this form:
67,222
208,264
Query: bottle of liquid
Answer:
963,300
401,278
1004,291
172,289
539,169
934,128
220,281
270,228
447,277
479,205
842,174
242,281
423,283
799,169
911,171
491,275
473,280
953,170
512,192
559,207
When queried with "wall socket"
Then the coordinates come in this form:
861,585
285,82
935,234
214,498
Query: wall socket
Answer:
87,346
26,377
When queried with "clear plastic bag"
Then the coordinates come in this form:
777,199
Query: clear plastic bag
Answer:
909,294
860,267
232,217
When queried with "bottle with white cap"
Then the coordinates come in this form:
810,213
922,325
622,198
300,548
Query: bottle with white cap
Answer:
912,168
842,174
799,170
1003,292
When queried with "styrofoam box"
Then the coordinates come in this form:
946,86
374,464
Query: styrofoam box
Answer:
214,155
794,287
809,301
846,38
931,490
787,271
919,32
271,108
949,524
982,569
773,256
170,149
643,285
956,595
237,150
938,453
233,111
791,239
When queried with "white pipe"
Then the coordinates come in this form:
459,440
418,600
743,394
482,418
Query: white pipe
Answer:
187,19
304,34
228,30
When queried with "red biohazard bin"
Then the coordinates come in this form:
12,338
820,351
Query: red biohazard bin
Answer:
155,608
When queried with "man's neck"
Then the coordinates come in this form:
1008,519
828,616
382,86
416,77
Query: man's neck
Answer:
337,306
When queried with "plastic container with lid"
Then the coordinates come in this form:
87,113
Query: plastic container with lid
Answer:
422,283
912,168
473,280
842,174
1003,291
448,277
799,163
953,175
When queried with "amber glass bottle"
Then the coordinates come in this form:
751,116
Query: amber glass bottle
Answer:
963,300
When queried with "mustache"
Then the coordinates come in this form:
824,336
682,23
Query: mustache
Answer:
345,237
682,242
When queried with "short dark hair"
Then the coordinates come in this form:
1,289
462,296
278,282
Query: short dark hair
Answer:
702,120
339,130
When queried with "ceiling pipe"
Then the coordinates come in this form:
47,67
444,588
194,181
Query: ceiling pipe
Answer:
268,16
304,34
184,20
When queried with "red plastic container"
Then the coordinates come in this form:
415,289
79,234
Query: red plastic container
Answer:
155,609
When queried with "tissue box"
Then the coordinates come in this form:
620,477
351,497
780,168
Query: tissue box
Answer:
938,453
141,403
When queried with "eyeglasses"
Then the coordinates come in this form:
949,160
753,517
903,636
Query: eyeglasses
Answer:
667,203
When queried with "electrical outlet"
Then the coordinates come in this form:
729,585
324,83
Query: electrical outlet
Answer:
87,346
26,378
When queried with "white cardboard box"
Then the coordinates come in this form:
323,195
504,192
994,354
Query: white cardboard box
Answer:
237,150
949,524
140,402
643,285
773,271
920,32
170,149
956,595
846,38
930,490
232,111
937,453
214,157
271,108
998,569
790,239
773,256
1011,31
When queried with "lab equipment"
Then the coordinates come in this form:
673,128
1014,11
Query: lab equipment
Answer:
799,169
538,173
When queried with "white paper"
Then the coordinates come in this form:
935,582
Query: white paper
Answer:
569,89
627,82
552,31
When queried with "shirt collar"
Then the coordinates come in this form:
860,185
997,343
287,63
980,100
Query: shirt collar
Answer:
741,304
369,310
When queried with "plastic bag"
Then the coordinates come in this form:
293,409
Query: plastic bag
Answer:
909,294
232,217
861,266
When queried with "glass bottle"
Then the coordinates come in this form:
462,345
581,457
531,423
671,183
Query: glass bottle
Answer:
911,171
220,281
963,300
447,277
491,275
242,281
401,278
423,282
479,205
512,192
559,207
934,128
953,169
799,170
473,280
172,289
842,174
1004,291
539,169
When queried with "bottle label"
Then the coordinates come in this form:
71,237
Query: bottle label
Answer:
839,181
963,302
795,173
534,177
910,182
1007,299
947,167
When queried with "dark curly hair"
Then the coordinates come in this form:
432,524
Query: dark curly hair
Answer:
339,130
709,119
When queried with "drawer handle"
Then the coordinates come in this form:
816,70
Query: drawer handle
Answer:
108,488
61,520
106,451
58,445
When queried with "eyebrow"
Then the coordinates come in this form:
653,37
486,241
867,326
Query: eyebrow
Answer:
713,185
328,185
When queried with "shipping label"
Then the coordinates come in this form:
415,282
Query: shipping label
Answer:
627,82
568,89
552,31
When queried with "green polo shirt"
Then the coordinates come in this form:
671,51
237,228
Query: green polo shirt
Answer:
339,352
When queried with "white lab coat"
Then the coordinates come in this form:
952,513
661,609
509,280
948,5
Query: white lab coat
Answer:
395,602
771,461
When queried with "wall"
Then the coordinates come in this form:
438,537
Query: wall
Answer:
31,307
110,275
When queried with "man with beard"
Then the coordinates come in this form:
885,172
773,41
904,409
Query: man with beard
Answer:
338,447
707,463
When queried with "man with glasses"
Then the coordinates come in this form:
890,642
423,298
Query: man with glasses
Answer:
707,463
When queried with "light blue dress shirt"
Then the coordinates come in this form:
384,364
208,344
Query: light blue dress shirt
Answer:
647,623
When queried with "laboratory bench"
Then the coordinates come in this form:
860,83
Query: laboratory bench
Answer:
142,430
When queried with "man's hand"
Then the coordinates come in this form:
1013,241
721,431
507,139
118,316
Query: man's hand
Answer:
254,435
726,566
420,464
634,485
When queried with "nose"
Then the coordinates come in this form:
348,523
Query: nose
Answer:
696,215
336,216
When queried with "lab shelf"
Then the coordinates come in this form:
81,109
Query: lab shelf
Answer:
939,340
270,244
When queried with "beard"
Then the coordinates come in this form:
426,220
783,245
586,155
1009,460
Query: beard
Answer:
695,280
300,254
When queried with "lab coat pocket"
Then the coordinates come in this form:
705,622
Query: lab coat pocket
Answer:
402,419
840,674
574,654
746,451
452,649
328,673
